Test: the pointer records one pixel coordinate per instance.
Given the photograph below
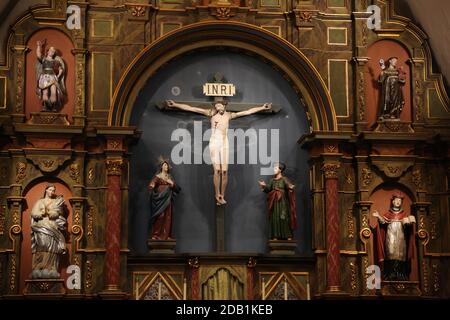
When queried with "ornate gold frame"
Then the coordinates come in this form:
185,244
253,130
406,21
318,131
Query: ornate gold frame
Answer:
346,85
163,23
93,35
337,44
267,27
91,100
440,99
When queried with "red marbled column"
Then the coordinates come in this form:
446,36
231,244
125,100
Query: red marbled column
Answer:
250,278
113,205
195,285
332,226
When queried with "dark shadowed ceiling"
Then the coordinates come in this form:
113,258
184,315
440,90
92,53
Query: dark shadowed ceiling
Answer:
433,16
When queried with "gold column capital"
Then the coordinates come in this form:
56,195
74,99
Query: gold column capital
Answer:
330,170
114,167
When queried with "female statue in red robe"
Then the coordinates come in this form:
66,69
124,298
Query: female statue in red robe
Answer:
395,241
162,190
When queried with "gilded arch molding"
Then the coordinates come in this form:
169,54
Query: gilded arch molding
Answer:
294,65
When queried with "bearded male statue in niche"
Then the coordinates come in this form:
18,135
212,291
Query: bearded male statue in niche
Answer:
395,241
392,80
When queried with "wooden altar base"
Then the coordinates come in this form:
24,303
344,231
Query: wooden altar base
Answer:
44,288
53,118
162,246
393,125
400,289
185,276
282,247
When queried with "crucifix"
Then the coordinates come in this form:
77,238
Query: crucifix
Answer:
220,117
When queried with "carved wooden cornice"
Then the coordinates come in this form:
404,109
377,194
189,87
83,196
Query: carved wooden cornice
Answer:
364,204
15,200
55,129
325,137
117,139
52,15
392,166
48,161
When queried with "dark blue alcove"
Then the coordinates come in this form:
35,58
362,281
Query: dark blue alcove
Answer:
246,213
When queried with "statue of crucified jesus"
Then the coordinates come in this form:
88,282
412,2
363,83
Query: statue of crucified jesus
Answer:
218,143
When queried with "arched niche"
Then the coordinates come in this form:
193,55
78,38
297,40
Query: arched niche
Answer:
385,49
33,192
246,212
381,201
64,47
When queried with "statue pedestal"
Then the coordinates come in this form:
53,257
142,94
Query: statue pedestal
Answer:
400,288
161,246
48,118
393,125
282,247
44,288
